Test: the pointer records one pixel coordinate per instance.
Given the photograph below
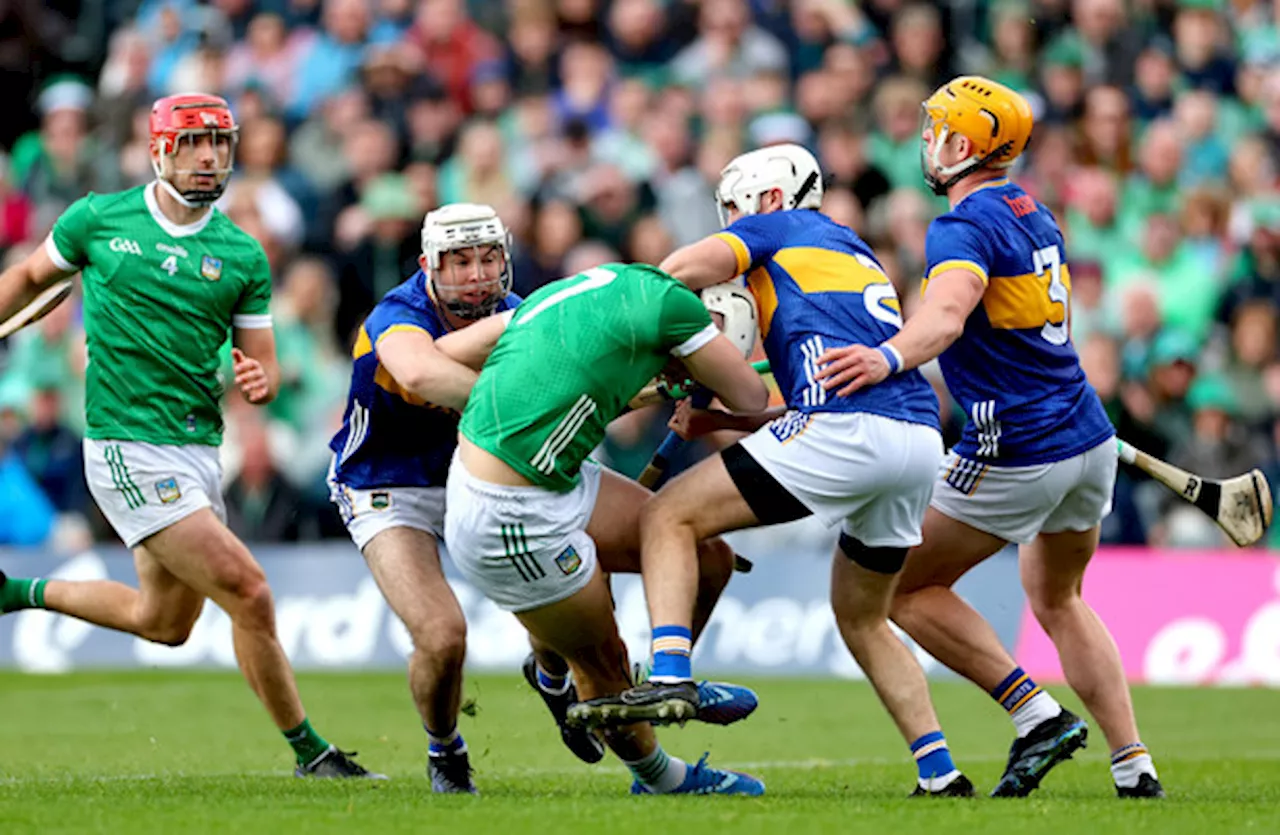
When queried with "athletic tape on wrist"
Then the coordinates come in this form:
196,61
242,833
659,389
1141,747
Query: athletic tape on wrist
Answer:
893,356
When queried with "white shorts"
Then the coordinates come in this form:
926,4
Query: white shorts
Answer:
367,513
1019,503
872,472
144,488
522,547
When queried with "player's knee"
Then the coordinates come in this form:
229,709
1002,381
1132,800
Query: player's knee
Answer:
251,606
857,616
443,642
1052,606
861,604
660,511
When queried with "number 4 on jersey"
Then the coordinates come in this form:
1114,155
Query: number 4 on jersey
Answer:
170,265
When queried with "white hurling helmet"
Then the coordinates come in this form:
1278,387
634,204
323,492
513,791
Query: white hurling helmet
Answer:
465,226
738,308
789,167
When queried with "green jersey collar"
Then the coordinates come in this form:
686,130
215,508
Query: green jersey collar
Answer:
173,229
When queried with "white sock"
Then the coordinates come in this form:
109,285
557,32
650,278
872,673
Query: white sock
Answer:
1039,708
659,772
1131,762
938,782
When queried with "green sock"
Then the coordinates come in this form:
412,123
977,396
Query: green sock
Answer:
306,743
18,594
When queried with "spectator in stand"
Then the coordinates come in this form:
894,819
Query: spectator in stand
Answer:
33,524
1153,187
261,505
50,451
728,43
1154,76
385,227
268,57
451,45
1105,138
332,60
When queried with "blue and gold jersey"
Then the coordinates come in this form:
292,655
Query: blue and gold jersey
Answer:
1014,370
390,437
819,286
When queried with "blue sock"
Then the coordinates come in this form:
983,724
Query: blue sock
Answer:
1027,703
1015,690
672,646
933,761
440,744
550,683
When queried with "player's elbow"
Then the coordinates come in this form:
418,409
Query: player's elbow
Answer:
21,276
952,325
417,379
947,321
676,265
432,385
750,396
694,272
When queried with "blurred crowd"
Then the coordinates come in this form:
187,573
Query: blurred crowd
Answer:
598,128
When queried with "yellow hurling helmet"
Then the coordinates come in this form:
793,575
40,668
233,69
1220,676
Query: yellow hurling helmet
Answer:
995,118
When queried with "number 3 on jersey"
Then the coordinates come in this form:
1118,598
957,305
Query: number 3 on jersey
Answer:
1048,263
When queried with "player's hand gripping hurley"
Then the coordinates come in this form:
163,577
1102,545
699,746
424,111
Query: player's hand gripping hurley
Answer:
656,469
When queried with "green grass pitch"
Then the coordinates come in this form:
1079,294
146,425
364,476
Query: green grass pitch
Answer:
162,752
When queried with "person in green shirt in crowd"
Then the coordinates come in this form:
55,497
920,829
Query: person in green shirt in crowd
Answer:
1153,188
1189,296
1092,216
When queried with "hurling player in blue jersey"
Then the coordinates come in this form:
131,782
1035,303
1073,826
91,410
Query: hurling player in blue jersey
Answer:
391,458
1037,462
865,462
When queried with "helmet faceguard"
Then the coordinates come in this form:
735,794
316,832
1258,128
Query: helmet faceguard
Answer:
941,177
467,292
184,121
789,168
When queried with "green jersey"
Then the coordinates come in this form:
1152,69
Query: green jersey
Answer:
574,354
159,302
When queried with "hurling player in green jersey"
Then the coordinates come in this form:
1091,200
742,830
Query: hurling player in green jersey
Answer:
535,525
165,278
